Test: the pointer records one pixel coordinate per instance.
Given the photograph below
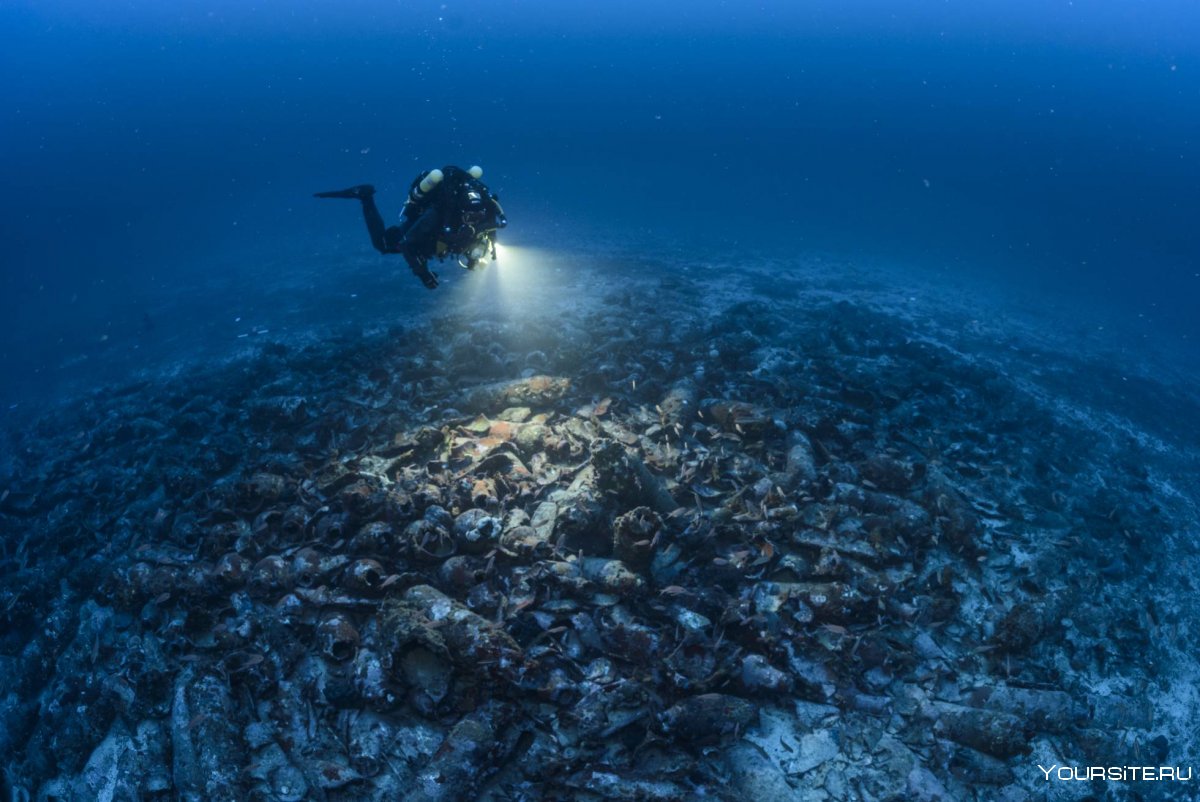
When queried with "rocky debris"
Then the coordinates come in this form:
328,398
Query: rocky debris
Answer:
751,554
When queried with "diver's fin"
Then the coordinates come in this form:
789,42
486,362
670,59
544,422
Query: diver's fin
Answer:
356,193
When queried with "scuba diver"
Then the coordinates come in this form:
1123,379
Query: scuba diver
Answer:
448,212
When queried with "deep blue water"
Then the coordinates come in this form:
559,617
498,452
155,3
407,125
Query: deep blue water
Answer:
169,150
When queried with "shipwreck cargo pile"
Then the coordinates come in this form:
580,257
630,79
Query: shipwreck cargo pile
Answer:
664,545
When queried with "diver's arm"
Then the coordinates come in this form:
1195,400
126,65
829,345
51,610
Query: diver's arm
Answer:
501,220
419,265
417,244
408,215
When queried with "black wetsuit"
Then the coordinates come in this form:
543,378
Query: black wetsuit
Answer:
432,219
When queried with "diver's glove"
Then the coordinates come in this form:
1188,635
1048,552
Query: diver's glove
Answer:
427,276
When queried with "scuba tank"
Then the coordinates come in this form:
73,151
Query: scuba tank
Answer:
426,185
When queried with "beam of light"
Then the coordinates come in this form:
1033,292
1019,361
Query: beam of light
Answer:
523,294
510,284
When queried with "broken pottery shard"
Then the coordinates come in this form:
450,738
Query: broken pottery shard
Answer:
759,675
476,531
708,716
976,768
611,785
1098,747
634,535
607,708
865,703
1019,629
544,517
427,677
153,741
678,406
258,490
801,466
754,776
625,476
332,774
517,536
515,414
369,735
625,636
927,647
66,734
530,438
841,602
337,637
471,639
288,410
814,680
536,391
112,772
522,541
204,739
466,757
1044,711
749,420
612,576
1111,711
888,473
923,786
997,734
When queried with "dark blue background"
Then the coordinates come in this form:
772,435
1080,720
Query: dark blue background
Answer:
150,148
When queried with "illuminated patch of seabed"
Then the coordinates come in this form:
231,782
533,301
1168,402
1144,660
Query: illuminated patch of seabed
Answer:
521,282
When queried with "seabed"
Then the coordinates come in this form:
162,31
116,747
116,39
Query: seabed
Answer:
604,527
